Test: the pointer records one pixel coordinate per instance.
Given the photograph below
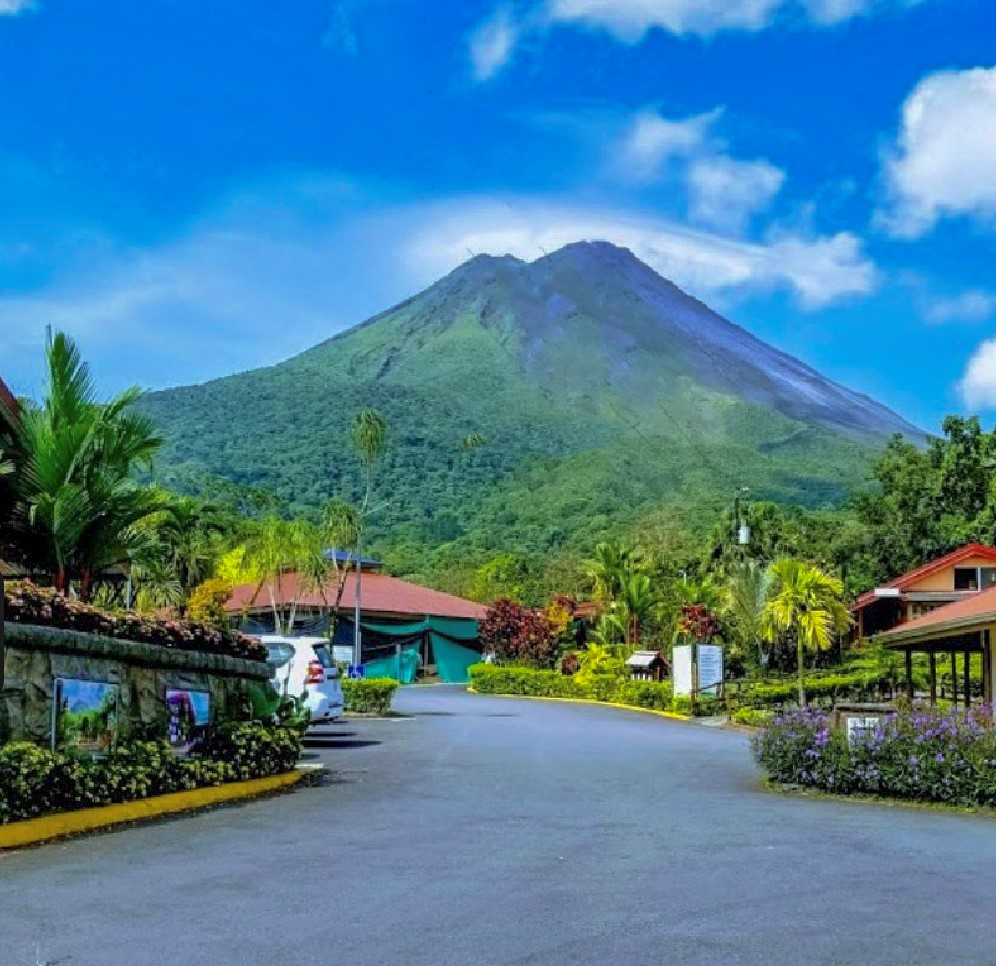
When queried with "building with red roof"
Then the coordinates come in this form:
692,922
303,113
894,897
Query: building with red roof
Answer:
404,625
958,575
960,629
383,598
9,406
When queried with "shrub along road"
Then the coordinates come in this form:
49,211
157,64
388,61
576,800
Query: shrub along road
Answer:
490,830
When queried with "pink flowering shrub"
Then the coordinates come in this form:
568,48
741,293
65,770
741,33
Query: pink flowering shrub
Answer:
923,754
44,607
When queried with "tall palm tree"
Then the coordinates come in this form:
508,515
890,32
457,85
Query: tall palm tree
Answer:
805,603
746,599
613,565
76,492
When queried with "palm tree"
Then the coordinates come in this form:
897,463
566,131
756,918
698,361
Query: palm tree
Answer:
612,567
75,489
806,603
636,603
277,549
747,598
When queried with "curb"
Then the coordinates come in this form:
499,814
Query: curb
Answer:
673,715
34,831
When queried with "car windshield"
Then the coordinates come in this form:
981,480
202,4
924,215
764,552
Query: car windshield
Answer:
322,653
277,655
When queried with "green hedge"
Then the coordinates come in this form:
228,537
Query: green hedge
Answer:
369,695
753,717
490,679
35,781
774,693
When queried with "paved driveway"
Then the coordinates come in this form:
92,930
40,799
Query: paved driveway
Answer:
486,830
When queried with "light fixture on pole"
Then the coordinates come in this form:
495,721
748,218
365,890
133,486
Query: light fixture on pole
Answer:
741,526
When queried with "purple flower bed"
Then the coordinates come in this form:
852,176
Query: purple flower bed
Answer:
28,604
922,755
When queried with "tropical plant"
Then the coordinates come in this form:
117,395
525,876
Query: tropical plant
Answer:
276,550
747,597
77,496
612,566
806,604
515,633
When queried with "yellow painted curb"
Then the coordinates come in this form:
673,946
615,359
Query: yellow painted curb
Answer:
33,831
602,704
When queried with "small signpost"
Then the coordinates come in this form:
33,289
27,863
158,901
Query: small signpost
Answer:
356,672
697,669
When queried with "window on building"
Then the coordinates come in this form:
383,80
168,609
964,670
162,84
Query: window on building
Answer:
988,577
966,578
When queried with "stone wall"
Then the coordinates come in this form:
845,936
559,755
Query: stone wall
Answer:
36,656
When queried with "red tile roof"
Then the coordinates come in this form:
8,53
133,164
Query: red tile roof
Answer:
961,616
7,401
380,594
948,560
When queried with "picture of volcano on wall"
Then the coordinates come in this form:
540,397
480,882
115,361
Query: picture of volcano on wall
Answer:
189,716
86,715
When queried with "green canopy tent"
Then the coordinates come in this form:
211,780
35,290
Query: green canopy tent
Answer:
396,648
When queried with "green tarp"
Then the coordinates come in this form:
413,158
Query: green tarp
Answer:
453,646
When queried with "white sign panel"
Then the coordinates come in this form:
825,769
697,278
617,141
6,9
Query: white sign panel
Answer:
710,668
681,670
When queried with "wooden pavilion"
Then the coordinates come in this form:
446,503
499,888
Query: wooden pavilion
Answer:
966,628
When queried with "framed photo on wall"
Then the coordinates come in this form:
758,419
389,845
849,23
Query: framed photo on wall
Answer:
85,715
189,716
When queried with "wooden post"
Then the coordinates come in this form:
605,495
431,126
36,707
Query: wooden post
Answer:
933,678
909,673
954,678
968,679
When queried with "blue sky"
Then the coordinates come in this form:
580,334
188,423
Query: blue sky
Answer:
194,188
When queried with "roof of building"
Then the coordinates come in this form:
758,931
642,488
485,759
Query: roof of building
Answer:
961,616
948,560
8,402
379,593
344,556
643,658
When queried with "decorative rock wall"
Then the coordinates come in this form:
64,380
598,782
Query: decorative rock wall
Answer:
36,656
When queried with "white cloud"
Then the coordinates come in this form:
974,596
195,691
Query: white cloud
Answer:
492,44
12,8
629,21
722,191
650,141
816,270
975,305
944,161
725,192
977,386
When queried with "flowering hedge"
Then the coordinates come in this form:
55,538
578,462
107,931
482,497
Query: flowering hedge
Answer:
28,604
922,755
35,781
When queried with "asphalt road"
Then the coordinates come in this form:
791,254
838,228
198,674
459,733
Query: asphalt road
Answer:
488,830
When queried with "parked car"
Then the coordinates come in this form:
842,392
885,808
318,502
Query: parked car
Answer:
303,666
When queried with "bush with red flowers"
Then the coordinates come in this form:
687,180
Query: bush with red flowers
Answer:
516,633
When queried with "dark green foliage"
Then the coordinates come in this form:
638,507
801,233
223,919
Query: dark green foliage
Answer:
491,679
35,781
369,695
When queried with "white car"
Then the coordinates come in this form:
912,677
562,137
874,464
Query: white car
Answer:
302,666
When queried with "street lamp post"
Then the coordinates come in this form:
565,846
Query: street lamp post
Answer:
357,631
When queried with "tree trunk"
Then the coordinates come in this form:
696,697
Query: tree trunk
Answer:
801,660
